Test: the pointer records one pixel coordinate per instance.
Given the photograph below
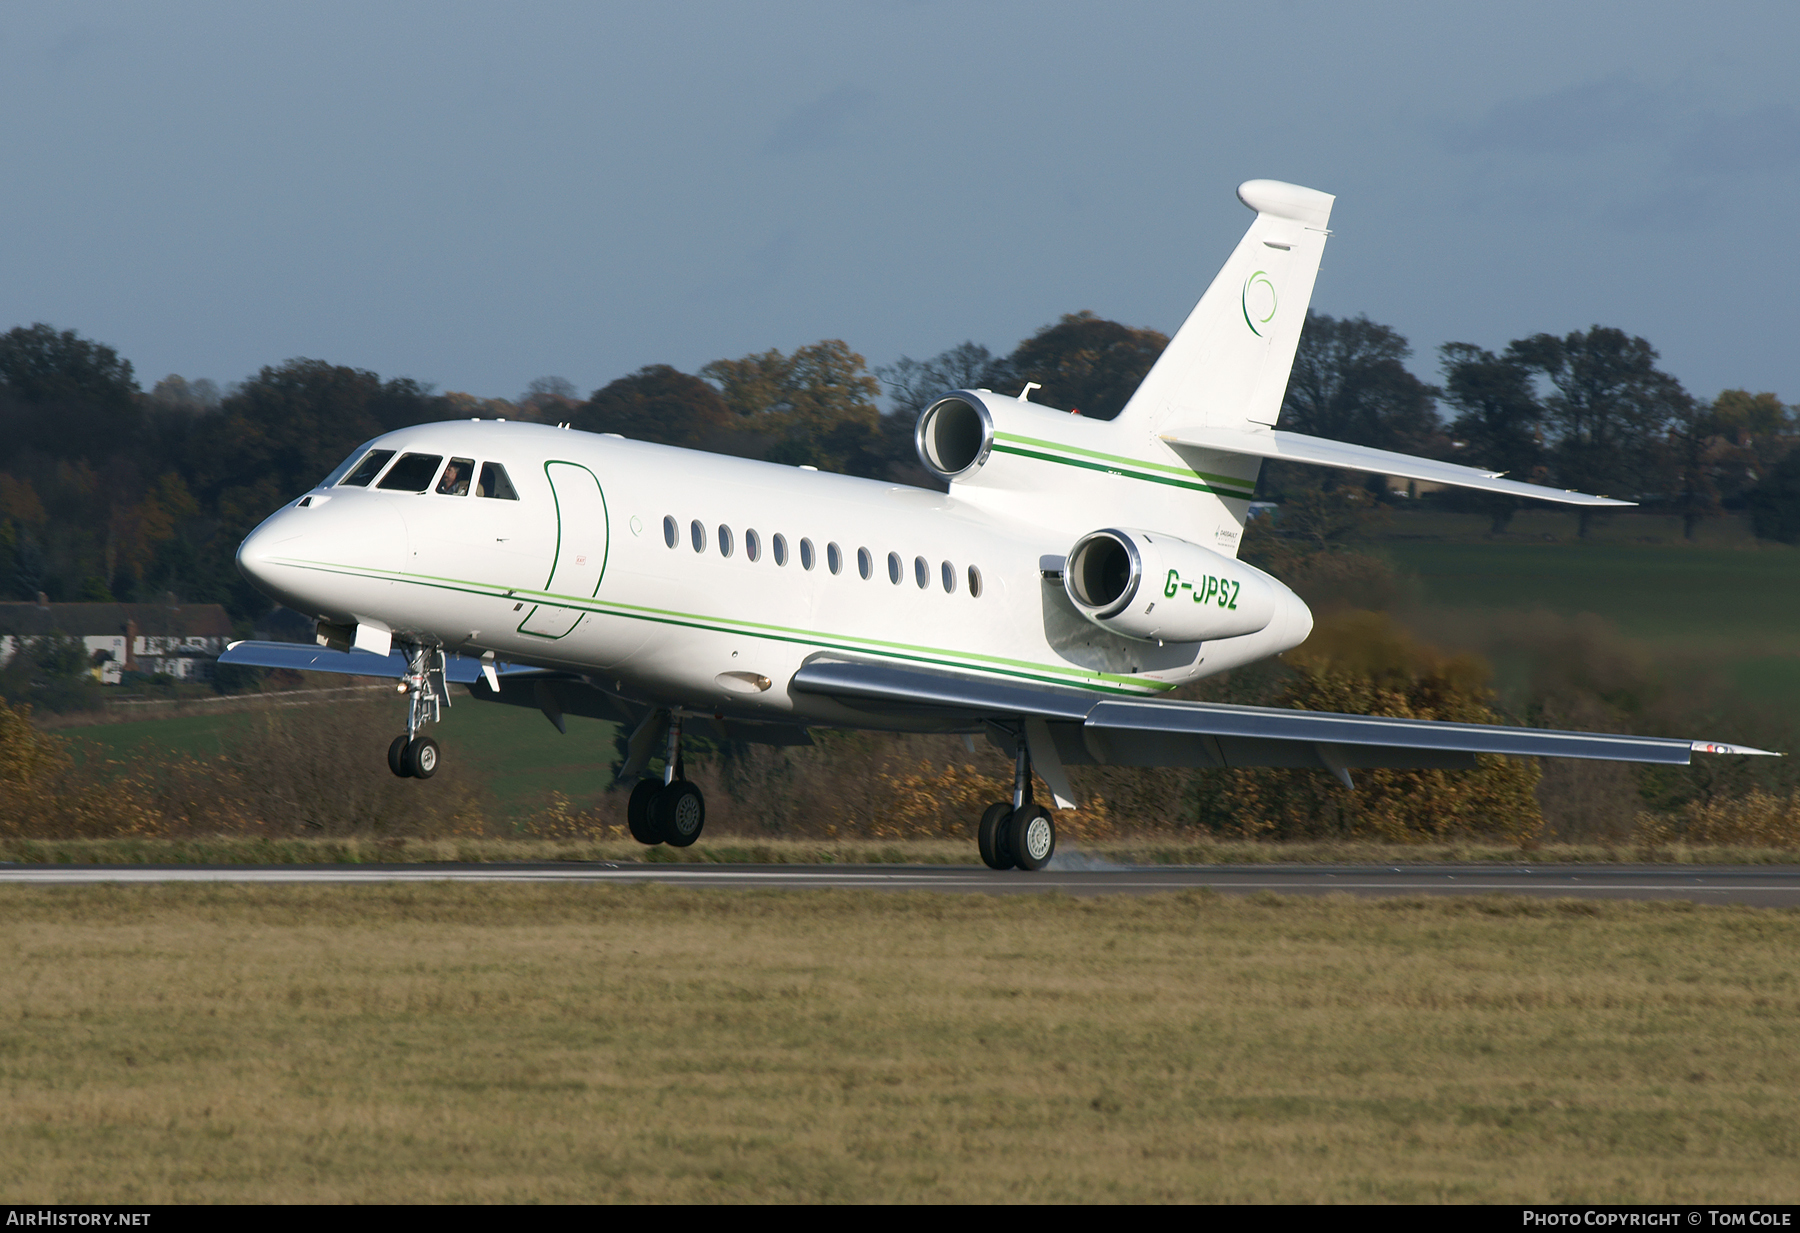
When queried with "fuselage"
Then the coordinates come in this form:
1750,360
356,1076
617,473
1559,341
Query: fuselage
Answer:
688,579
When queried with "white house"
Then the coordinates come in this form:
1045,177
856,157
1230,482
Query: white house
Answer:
179,640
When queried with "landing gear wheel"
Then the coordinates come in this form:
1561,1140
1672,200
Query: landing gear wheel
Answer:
680,812
397,756
421,757
637,812
1031,836
990,836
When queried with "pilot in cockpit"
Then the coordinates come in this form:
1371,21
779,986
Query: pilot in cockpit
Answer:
456,478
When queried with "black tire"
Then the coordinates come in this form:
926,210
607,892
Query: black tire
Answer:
637,812
990,836
680,812
1031,836
397,756
421,757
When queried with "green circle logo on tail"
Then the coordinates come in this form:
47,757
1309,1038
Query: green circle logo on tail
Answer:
1259,301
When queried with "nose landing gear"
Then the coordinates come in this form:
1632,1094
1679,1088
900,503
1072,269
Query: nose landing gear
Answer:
410,755
1020,834
671,810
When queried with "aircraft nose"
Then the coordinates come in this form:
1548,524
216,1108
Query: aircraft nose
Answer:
319,557
257,555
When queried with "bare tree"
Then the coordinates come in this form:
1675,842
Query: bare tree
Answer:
912,384
550,399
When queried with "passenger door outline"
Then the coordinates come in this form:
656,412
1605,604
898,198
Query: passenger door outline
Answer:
573,498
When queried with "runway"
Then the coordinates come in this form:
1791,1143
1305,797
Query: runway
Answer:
1072,874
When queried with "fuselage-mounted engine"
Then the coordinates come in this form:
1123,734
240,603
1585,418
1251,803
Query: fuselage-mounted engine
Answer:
1151,586
954,436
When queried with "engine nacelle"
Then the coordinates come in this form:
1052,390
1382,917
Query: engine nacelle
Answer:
954,435
1154,587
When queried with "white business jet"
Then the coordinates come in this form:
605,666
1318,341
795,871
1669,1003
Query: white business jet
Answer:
1076,571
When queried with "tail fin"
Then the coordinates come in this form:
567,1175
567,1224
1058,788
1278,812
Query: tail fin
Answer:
1228,365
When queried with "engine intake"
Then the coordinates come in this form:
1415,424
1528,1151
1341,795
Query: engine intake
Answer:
954,437
1157,588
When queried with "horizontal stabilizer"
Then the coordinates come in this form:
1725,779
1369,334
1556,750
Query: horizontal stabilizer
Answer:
461,669
1317,451
1152,732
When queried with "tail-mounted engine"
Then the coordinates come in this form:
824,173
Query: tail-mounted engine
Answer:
955,435
1061,473
1157,588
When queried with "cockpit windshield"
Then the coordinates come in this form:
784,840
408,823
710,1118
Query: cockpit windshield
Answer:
412,473
343,468
368,468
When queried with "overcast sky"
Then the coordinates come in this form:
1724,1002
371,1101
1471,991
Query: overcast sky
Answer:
475,195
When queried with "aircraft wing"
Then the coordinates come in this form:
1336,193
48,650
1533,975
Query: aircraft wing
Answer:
462,669
1318,451
1114,731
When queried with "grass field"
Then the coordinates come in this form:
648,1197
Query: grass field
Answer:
1731,598
1723,609
1723,591
556,1043
516,752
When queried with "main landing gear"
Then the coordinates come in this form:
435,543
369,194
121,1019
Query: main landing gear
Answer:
410,755
669,810
1020,833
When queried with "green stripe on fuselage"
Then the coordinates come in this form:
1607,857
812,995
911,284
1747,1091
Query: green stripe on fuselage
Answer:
1045,674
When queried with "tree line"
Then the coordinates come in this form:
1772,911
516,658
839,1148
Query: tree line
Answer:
111,492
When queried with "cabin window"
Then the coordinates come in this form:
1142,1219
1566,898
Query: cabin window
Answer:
752,545
456,477
671,532
894,568
778,546
834,558
921,572
697,533
369,468
724,540
494,483
865,564
974,583
806,554
949,575
412,473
